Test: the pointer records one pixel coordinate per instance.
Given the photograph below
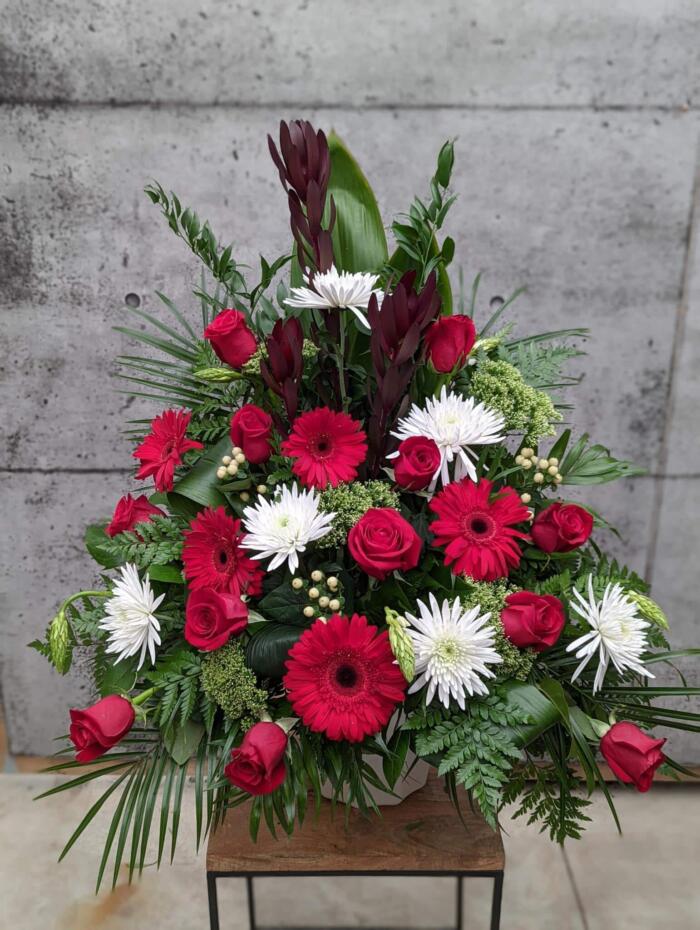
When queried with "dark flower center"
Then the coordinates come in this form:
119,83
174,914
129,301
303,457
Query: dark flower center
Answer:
478,525
323,446
346,676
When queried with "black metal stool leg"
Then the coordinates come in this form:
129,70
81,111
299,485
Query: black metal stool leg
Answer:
213,902
251,902
460,902
496,901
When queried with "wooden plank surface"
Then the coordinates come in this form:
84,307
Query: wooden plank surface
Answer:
423,834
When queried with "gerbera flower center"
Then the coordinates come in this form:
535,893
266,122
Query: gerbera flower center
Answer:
322,447
479,525
346,676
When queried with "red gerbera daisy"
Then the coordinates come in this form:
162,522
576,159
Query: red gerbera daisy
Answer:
213,557
327,446
162,450
477,532
342,679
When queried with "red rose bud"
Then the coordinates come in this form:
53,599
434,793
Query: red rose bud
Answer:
213,617
130,511
561,527
257,766
632,755
230,338
96,729
533,621
449,341
251,429
382,542
417,461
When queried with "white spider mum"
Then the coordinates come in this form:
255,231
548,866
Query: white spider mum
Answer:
283,527
131,621
455,423
616,633
341,290
453,649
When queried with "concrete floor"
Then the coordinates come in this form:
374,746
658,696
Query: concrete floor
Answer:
646,879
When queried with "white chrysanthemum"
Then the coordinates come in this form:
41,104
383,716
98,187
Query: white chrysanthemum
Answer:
617,633
453,649
341,290
131,621
455,423
282,527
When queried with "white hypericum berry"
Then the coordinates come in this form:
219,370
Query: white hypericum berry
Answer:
317,575
525,498
240,458
538,478
226,460
221,472
232,469
323,601
245,496
553,470
543,463
309,611
332,582
519,459
334,605
527,464
236,451
297,584
261,489
554,461
314,593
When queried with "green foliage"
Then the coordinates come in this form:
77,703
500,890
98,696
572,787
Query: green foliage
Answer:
232,686
548,797
155,542
269,647
177,677
350,502
476,748
185,223
500,385
590,464
541,363
415,233
359,242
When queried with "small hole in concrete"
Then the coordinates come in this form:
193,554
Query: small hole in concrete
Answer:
496,302
132,300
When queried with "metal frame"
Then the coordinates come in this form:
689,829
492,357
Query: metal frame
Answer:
496,900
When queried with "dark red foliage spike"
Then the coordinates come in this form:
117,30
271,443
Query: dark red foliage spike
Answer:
396,346
281,371
304,164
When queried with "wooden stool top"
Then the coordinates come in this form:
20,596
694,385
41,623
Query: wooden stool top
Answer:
422,834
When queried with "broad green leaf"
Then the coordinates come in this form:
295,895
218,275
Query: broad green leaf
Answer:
359,240
268,649
200,484
284,605
116,678
95,542
538,708
168,573
182,741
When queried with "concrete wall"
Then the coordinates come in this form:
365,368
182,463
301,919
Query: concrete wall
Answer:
577,174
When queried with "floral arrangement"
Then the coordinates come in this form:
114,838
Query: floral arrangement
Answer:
353,546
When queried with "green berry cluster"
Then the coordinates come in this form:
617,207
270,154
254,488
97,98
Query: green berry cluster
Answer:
227,680
499,385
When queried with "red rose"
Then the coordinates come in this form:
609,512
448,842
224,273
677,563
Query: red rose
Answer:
96,729
632,755
251,429
561,527
130,511
382,542
449,341
212,617
230,338
257,766
417,462
533,620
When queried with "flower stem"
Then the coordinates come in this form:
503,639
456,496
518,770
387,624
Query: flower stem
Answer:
144,696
